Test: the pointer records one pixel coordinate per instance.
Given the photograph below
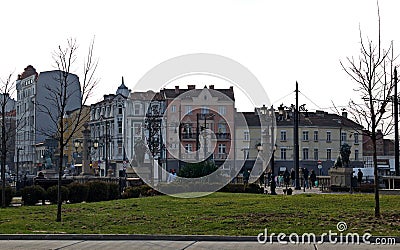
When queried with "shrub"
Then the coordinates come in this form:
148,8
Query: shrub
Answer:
239,188
98,191
32,194
9,195
131,192
52,194
78,192
196,170
113,191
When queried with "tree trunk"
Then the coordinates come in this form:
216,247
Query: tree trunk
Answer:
60,170
3,154
376,177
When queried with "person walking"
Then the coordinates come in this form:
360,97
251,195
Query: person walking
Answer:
286,178
305,178
246,176
293,177
359,177
313,178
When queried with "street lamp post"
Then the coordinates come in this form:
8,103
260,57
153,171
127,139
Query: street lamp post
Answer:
295,109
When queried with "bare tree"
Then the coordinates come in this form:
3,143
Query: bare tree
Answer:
7,128
373,73
60,98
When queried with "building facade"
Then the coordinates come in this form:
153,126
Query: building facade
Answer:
37,111
108,120
199,124
320,138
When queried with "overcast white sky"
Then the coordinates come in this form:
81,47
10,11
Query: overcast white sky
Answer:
278,41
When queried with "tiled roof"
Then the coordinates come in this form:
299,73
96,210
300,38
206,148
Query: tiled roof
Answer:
173,93
310,119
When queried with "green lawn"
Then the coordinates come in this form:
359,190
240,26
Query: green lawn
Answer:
216,214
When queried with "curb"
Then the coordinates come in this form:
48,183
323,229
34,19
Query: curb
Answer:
144,237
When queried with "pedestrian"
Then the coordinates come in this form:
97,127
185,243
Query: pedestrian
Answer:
359,176
280,180
286,178
313,178
293,177
246,176
305,178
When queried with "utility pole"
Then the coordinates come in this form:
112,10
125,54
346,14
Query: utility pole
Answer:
197,136
396,125
17,184
296,139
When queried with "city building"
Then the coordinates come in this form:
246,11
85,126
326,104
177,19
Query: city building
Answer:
321,135
108,120
384,151
199,124
73,155
37,112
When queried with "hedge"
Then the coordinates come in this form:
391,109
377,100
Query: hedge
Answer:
32,194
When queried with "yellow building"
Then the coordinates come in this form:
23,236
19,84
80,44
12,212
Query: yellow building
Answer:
70,123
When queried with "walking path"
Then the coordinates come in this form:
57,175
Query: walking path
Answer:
170,244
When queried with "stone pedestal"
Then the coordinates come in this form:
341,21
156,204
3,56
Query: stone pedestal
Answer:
341,177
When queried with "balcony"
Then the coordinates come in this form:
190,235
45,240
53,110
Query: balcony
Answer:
223,136
188,136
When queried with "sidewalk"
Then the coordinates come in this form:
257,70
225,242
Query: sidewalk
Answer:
170,244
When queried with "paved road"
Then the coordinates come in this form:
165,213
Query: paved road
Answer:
165,245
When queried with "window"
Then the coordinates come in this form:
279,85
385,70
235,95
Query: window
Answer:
283,135
222,110
246,135
204,110
120,147
188,110
315,135
356,138
137,109
305,153
120,126
120,109
221,150
328,137
173,108
316,154
343,137
188,148
328,154
283,153
305,135
221,128
356,155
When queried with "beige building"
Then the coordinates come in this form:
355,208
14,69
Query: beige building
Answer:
73,155
320,137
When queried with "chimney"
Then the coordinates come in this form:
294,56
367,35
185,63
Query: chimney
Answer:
344,114
211,86
231,88
177,89
191,86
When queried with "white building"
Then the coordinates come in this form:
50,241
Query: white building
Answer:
108,126
37,112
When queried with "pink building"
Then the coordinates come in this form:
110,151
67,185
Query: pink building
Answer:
199,125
